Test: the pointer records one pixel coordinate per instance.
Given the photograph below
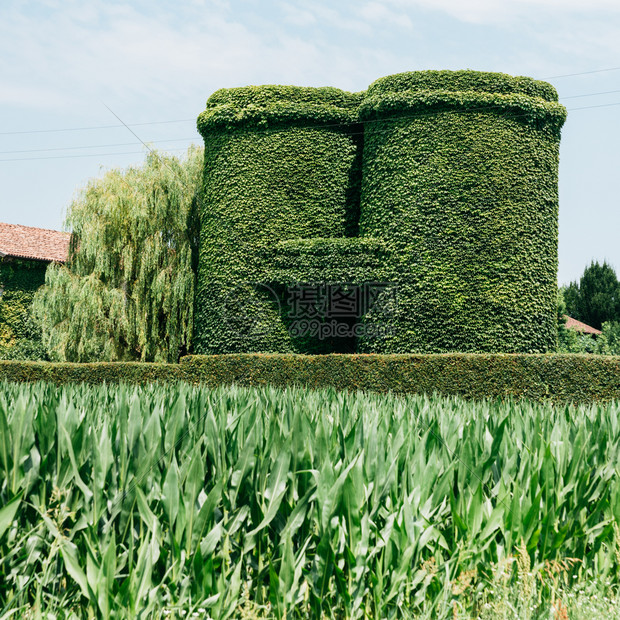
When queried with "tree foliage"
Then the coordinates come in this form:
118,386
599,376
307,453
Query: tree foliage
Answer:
608,343
596,299
127,290
570,295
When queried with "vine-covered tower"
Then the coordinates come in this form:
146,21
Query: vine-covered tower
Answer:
440,184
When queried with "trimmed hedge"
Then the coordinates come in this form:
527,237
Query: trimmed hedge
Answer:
461,81
557,377
541,114
324,286
277,107
281,162
460,180
91,373
579,378
350,260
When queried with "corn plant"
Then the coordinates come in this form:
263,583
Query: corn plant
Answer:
162,501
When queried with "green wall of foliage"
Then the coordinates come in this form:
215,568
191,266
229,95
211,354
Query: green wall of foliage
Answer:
281,163
20,338
442,183
460,180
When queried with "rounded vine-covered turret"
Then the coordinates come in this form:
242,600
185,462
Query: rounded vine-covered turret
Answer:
280,164
460,180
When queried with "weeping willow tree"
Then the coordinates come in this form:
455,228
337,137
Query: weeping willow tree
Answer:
127,290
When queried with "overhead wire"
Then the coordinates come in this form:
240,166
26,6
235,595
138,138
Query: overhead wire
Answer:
265,130
85,155
128,128
607,92
555,77
94,146
589,107
188,120
321,125
14,133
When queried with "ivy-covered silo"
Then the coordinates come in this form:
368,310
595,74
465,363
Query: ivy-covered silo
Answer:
281,163
460,179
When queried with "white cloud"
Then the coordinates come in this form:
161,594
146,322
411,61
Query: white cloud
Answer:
114,52
297,16
17,95
494,11
378,13
128,54
141,54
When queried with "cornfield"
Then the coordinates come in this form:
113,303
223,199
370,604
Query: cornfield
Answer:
172,501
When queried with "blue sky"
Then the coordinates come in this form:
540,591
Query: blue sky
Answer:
154,63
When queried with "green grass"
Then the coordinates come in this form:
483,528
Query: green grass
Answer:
164,501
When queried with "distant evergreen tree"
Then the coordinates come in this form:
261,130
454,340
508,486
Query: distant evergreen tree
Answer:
127,290
571,299
597,297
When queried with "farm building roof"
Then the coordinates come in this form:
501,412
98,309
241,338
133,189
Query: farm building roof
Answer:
581,327
33,243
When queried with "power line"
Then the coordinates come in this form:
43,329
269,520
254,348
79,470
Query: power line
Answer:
276,129
15,133
187,120
589,107
93,146
85,155
554,77
193,120
607,92
127,127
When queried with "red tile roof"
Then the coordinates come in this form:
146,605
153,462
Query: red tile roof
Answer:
580,327
34,243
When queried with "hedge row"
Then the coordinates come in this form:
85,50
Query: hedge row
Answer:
579,378
91,373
